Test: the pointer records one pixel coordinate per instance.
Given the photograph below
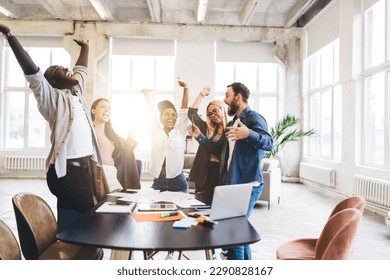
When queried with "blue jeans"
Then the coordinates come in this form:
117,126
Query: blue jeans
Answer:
244,252
177,184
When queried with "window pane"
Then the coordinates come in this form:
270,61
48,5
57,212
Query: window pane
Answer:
142,74
337,122
15,120
120,72
129,115
14,74
61,57
36,125
120,113
327,64
41,57
375,34
224,75
267,107
246,73
315,67
375,118
314,122
165,71
268,77
336,59
326,123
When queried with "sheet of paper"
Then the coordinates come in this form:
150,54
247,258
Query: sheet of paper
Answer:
188,203
151,195
109,207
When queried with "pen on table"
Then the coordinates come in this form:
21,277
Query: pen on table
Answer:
175,213
133,207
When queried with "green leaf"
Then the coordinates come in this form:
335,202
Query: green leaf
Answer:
285,131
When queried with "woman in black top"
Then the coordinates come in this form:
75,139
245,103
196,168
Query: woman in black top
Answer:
205,169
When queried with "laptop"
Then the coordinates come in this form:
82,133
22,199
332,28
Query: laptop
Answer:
230,201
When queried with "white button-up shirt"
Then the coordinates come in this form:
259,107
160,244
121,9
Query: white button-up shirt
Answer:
57,107
169,146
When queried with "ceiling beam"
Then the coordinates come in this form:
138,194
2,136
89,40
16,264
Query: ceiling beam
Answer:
312,12
202,10
248,11
154,10
9,10
103,8
159,31
55,8
297,11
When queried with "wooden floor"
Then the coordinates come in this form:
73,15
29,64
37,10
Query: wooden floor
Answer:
302,212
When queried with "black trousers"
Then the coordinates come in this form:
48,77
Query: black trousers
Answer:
74,194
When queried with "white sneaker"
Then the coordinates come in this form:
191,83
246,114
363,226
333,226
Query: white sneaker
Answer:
169,256
223,255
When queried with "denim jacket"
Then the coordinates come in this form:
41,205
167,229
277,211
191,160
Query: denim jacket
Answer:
247,153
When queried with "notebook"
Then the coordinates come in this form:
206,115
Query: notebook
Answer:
230,201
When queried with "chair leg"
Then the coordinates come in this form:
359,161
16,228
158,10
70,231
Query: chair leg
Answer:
148,255
269,205
181,254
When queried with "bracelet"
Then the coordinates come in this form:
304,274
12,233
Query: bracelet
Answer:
7,35
200,93
185,87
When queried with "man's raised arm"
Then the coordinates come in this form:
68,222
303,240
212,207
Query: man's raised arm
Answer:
26,63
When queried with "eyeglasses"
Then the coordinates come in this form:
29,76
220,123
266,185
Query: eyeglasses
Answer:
213,112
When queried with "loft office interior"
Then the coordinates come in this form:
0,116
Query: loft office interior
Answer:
332,72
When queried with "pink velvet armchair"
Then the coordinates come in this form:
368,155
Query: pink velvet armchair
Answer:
311,248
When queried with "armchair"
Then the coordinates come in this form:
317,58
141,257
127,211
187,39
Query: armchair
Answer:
272,178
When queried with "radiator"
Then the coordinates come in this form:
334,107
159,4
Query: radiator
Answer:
317,174
26,163
375,191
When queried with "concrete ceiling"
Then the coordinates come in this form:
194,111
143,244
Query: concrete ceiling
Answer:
258,13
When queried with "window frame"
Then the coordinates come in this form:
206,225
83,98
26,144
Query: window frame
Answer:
24,88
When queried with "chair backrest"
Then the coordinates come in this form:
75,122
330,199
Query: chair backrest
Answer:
357,202
337,238
9,247
36,223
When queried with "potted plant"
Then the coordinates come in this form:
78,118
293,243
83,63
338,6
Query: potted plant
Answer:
285,131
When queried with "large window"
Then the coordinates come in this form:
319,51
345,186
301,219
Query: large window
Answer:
324,100
376,78
262,80
24,127
129,75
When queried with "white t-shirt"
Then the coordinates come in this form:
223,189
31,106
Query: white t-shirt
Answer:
79,142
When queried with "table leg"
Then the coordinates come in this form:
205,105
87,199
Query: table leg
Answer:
209,254
120,254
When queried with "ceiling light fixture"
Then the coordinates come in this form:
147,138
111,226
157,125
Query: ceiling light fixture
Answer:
101,9
6,12
202,10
